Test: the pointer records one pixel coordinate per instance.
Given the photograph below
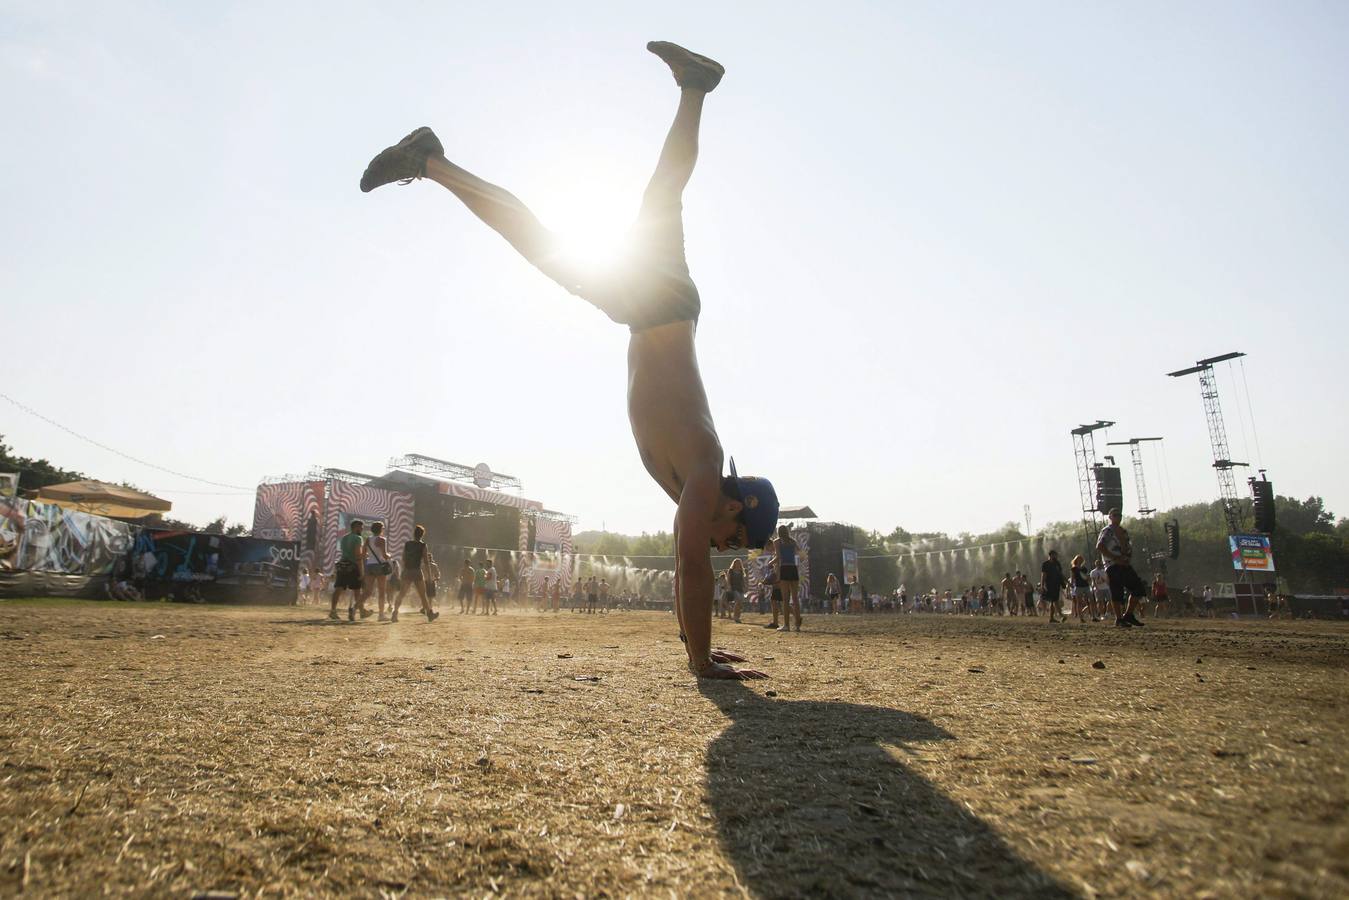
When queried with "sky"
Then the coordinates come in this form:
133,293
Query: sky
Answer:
930,239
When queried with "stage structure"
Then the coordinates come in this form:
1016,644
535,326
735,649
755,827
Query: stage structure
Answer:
1217,435
1088,484
1259,555
468,512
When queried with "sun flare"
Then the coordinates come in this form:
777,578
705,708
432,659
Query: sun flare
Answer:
592,241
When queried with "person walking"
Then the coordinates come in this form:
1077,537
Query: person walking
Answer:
466,575
1126,588
1080,590
735,579
479,588
1161,598
1100,591
1051,585
377,569
832,592
789,576
415,573
489,589
350,571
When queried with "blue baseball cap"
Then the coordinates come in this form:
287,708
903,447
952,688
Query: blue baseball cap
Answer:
760,507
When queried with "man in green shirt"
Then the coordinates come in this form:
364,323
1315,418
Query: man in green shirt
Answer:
350,571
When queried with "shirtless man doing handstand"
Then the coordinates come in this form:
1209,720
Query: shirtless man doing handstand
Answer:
651,292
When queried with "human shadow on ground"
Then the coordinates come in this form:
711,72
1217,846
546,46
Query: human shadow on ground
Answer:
809,802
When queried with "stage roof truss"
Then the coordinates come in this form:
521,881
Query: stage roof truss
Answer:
418,464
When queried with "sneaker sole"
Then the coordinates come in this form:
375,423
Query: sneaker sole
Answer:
686,61
433,147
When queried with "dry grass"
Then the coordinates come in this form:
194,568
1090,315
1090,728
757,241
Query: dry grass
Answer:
176,750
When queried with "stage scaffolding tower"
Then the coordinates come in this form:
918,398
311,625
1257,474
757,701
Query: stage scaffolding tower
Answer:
1145,512
1084,450
1140,486
1217,435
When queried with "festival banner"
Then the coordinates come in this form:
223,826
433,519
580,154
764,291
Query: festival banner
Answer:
1251,553
849,565
9,484
44,537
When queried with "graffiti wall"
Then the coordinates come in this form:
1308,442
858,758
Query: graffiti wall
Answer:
46,549
191,565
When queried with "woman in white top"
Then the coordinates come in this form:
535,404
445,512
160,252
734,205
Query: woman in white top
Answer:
377,567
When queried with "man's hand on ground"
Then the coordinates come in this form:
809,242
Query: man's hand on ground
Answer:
724,672
726,656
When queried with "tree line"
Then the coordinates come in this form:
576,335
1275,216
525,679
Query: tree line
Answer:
35,474
1310,545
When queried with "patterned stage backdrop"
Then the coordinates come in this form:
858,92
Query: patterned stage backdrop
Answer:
347,501
483,495
292,511
552,558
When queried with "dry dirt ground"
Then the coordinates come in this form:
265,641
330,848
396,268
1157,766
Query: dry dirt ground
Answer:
174,750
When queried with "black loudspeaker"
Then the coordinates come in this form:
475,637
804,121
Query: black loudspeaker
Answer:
1109,493
1172,539
1262,492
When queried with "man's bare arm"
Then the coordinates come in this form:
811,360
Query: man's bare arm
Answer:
694,579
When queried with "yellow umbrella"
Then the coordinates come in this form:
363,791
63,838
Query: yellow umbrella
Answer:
102,499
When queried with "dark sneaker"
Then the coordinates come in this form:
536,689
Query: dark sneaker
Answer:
332,614
402,162
690,69
351,614
1133,620
1121,622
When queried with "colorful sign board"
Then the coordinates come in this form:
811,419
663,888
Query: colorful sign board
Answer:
849,565
1251,553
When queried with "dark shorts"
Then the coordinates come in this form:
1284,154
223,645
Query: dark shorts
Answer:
414,575
491,593
789,573
651,286
1030,601
1124,578
591,598
465,592
347,577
